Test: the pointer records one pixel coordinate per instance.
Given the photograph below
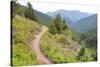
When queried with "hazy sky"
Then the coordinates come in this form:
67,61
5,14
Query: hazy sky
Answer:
53,5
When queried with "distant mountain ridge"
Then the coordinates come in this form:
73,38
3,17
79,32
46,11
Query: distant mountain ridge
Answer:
78,21
70,15
86,24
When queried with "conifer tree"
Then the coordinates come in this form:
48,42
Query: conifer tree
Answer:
30,13
58,25
13,8
64,25
81,54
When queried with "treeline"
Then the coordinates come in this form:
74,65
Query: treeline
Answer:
24,11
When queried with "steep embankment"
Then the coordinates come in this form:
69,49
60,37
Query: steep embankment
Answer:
23,33
59,48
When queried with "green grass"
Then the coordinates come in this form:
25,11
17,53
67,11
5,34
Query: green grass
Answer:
56,48
23,32
22,55
60,48
24,29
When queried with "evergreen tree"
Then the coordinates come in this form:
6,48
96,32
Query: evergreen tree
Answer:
13,8
81,54
64,25
58,25
16,8
30,13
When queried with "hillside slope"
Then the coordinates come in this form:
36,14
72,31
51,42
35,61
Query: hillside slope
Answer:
86,24
43,18
59,48
23,33
34,42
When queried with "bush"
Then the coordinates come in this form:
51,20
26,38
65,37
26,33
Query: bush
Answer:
23,31
55,47
22,55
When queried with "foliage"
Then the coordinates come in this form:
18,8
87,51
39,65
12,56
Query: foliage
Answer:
57,48
17,9
23,11
58,25
23,32
81,54
13,8
30,13
86,55
59,44
22,55
91,38
88,41
24,29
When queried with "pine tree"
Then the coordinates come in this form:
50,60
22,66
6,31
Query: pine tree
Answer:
65,25
58,25
81,54
30,13
13,8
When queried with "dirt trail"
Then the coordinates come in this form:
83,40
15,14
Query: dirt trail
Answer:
36,47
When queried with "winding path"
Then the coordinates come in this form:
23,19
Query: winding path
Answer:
36,42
